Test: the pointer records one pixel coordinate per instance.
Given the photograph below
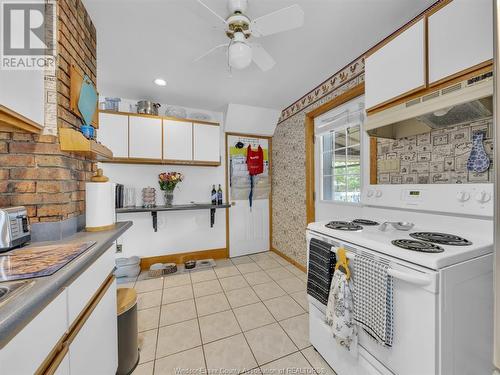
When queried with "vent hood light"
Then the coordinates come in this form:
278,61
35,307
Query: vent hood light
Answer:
442,112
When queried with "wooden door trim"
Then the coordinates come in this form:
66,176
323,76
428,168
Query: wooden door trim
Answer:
269,153
350,94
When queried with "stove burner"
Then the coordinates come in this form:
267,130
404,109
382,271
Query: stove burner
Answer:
441,238
424,247
343,225
364,222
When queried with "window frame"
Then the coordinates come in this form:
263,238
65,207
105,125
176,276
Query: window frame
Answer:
362,143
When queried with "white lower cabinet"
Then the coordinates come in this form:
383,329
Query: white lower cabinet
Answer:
95,348
88,348
28,349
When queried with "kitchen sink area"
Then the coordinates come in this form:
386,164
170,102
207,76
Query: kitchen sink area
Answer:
10,289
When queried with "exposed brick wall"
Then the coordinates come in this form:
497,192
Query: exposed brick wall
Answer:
33,170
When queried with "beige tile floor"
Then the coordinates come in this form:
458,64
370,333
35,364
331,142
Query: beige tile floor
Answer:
247,314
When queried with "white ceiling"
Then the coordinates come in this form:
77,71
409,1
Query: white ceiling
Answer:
139,40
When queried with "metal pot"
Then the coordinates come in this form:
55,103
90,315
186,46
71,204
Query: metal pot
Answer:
147,107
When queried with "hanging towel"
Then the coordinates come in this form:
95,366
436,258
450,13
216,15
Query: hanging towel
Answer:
373,298
340,313
320,270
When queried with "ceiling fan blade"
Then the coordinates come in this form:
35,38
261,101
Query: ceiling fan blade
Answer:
210,51
212,11
262,58
284,19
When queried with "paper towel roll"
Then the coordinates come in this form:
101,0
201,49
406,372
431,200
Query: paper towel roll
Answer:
100,206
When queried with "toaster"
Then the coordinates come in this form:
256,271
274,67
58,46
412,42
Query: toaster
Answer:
14,227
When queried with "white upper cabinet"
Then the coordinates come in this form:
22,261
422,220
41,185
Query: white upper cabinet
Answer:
145,137
177,140
113,133
206,140
22,91
397,68
460,37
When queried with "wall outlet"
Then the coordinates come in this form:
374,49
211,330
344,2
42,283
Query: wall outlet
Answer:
119,248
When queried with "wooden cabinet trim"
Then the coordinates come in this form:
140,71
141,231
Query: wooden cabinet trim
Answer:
198,163
159,117
56,356
11,121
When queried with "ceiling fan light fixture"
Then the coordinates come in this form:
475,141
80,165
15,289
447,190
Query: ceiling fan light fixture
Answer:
240,55
160,82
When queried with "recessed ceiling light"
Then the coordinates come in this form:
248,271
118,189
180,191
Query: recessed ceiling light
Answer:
160,82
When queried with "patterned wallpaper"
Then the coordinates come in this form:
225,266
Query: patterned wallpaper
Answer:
437,157
289,186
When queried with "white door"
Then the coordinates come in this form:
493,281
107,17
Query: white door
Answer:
177,140
460,37
249,230
113,133
206,141
396,68
145,138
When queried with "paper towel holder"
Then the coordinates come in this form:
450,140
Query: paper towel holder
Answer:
100,215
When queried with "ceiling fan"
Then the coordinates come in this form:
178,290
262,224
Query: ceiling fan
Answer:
239,28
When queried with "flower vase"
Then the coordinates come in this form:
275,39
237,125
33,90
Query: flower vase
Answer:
169,197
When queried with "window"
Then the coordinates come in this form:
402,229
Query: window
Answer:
341,164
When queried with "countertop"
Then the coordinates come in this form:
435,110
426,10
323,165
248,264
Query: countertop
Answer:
17,311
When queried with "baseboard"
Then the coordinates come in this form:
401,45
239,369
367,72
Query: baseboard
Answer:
182,257
287,258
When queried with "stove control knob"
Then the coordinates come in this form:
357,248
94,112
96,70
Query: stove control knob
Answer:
463,196
378,193
483,197
369,194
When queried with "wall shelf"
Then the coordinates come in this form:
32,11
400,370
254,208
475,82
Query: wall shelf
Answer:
74,141
11,121
181,207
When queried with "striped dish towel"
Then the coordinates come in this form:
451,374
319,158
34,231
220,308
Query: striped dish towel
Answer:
373,298
320,270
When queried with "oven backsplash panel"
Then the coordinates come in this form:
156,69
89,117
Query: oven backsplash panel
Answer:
437,157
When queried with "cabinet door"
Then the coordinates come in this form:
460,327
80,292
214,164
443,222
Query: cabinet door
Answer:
23,92
113,133
29,348
397,68
145,138
95,348
206,140
177,140
460,37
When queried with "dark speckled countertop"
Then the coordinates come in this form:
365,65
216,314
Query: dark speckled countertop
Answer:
19,309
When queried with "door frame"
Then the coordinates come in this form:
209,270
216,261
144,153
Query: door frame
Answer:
350,94
270,156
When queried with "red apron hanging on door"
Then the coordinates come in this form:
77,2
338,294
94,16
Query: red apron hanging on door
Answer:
255,165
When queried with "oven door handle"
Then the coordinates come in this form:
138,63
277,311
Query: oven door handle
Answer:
420,280
412,279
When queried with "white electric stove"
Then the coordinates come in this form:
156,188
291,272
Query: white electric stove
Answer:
443,279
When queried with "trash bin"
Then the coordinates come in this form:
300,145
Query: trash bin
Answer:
128,348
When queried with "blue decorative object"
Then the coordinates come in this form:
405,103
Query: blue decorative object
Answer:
87,103
479,160
87,131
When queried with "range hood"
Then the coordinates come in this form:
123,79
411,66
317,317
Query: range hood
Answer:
466,101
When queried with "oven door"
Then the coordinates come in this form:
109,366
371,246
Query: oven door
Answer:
415,303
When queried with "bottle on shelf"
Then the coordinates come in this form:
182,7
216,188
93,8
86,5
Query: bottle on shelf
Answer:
214,195
219,195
